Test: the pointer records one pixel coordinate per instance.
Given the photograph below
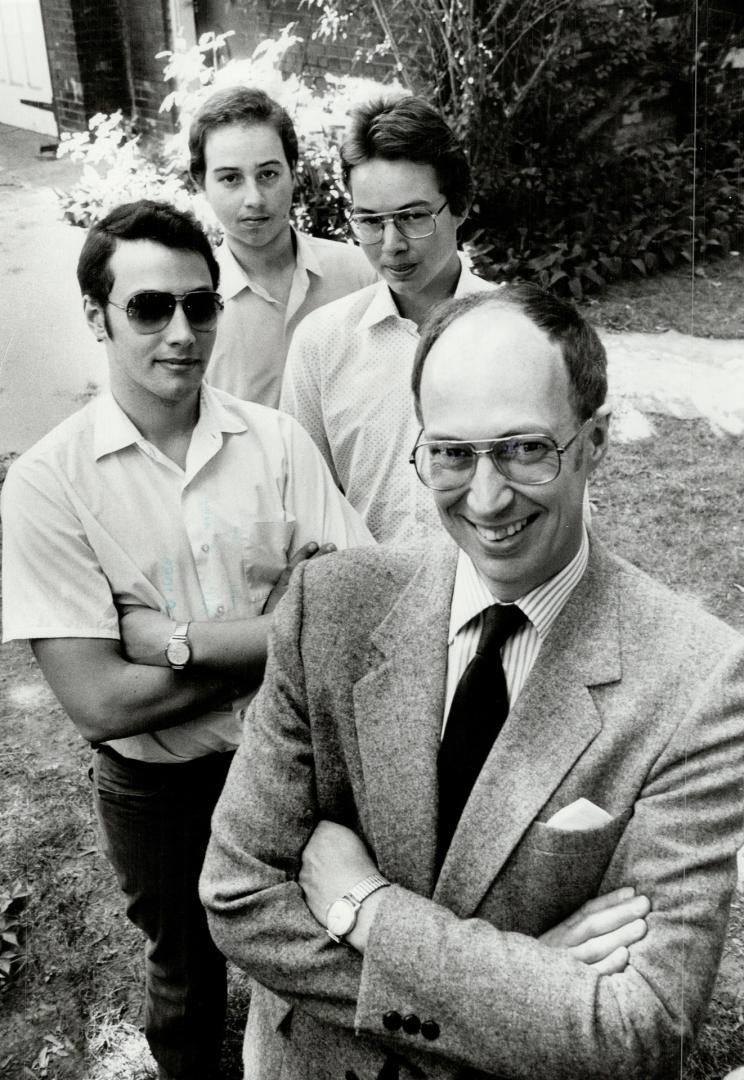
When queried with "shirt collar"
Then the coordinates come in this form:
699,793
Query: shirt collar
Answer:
214,416
112,428
542,605
306,256
383,306
465,282
233,278
114,431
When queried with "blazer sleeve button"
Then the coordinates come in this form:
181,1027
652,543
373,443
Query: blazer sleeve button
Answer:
430,1030
391,1021
411,1024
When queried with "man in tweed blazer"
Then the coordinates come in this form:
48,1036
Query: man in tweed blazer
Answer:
620,763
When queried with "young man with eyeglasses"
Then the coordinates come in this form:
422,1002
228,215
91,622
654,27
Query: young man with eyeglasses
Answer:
146,541
494,746
349,366
244,155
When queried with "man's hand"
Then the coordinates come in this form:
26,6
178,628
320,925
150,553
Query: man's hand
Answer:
307,551
145,634
334,861
600,932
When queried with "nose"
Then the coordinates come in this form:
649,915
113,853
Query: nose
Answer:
179,329
489,492
392,238
252,195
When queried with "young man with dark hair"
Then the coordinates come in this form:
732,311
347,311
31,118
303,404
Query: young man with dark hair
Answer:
146,541
243,155
509,845
349,367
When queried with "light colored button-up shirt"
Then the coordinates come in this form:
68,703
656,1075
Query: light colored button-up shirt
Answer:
348,382
96,516
255,330
542,606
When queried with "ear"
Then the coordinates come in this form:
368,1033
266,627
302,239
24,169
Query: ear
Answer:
599,436
95,317
462,218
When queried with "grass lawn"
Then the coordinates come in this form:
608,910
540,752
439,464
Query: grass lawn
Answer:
707,304
674,505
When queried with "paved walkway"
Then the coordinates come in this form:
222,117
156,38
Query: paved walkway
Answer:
50,364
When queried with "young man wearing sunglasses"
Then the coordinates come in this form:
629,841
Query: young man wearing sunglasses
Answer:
146,541
244,155
484,738
349,366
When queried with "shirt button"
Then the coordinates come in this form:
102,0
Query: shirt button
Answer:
411,1024
220,610
391,1020
430,1030
205,547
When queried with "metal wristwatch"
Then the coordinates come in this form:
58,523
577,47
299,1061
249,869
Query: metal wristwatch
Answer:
342,914
178,649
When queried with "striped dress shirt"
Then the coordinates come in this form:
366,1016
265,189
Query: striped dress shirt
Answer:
471,596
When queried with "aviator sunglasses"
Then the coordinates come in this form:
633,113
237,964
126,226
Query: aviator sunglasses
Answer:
150,311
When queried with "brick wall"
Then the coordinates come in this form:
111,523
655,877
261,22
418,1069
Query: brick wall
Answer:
102,58
147,31
64,68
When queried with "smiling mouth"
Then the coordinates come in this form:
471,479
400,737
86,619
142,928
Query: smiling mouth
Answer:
496,534
402,269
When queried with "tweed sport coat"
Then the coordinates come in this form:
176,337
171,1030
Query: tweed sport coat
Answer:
636,702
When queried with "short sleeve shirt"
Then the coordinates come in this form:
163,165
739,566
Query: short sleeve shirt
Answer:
96,516
348,382
255,329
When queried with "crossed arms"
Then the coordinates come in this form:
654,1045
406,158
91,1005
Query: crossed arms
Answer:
507,1003
112,689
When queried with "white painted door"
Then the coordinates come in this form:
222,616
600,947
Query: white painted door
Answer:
24,68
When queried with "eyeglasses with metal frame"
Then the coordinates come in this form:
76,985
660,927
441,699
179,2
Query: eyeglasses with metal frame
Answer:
415,224
447,464
150,310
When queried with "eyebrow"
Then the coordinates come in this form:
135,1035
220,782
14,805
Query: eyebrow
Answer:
239,168
405,206
517,432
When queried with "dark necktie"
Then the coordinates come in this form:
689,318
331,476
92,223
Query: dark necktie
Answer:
479,708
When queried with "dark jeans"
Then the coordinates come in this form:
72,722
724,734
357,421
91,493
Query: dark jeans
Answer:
155,822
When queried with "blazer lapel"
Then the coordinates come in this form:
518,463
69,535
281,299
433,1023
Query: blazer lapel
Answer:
398,708
549,727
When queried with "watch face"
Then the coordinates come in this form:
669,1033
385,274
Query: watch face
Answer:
341,918
178,653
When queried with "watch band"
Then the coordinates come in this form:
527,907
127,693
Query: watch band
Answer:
347,907
366,887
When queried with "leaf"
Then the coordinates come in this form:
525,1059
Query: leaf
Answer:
639,265
593,276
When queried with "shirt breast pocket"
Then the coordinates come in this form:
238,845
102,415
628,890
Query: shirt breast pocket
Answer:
265,547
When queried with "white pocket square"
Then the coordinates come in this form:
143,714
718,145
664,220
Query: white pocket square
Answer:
581,814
